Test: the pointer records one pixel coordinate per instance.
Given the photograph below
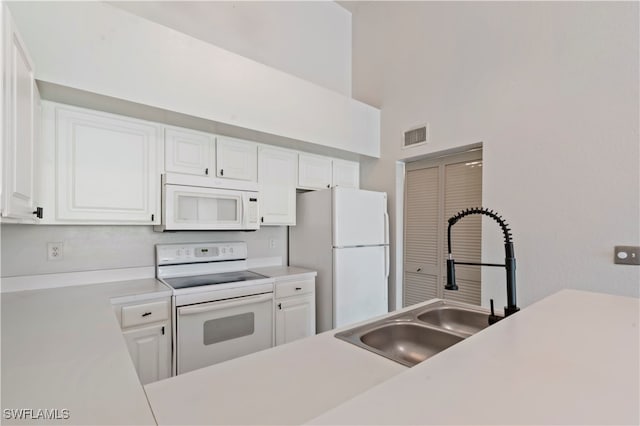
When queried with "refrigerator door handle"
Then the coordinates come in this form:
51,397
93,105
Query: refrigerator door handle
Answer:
386,261
386,227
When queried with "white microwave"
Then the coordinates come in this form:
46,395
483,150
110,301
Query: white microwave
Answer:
203,203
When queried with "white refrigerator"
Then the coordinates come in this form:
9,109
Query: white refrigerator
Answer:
343,234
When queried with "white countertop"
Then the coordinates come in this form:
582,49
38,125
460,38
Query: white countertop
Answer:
284,272
572,358
62,348
288,384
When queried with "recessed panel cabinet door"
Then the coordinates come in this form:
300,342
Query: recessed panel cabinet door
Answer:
314,172
295,318
236,159
188,151
150,350
107,168
19,95
346,174
277,174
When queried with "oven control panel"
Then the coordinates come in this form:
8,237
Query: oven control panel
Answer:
171,254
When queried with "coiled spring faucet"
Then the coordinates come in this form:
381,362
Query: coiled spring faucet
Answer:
509,261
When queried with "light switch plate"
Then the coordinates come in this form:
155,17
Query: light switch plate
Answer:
626,255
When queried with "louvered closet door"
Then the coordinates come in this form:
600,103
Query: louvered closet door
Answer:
463,189
435,191
421,260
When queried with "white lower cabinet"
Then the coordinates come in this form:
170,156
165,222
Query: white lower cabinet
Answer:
146,327
295,310
150,350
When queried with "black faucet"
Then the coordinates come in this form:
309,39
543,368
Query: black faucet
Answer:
509,260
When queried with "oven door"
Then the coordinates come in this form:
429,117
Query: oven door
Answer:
213,332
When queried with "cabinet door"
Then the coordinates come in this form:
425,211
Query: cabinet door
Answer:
236,159
314,172
150,350
107,168
19,97
346,174
277,175
295,318
187,151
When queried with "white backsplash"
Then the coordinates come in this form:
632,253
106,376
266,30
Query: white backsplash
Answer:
88,248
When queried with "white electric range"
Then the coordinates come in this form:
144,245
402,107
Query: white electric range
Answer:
220,309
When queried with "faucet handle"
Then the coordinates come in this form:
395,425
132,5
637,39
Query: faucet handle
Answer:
493,318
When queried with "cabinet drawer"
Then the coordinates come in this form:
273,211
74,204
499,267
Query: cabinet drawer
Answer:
293,288
144,314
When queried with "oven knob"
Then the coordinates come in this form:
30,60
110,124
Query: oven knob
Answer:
231,250
179,253
224,250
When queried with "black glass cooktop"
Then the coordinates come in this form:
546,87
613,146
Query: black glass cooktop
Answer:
212,279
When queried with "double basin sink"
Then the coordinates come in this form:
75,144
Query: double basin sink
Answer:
418,334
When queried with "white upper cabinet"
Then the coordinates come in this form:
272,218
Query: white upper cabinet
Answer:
346,174
317,172
236,159
107,168
20,103
314,172
188,151
277,178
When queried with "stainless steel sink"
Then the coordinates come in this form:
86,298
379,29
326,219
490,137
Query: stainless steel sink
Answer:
415,335
456,319
408,343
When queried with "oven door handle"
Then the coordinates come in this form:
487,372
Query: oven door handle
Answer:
224,304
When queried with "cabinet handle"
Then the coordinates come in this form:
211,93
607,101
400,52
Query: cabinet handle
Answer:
221,172
146,314
419,269
206,171
298,288
153,216
163,330
39,212
279,305
262,219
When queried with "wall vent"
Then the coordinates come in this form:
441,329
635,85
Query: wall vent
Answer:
417,136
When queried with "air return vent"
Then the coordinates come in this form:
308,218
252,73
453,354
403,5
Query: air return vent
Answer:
417,136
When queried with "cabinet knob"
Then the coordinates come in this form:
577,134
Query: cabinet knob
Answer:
419,269
328,186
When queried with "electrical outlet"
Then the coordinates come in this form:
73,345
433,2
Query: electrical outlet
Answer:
272,243
627,255
55,251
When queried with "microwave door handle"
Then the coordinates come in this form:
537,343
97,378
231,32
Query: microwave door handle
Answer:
244,211
216,306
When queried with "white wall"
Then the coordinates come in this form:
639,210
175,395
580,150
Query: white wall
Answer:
551,90
88,248
310,39
97,48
